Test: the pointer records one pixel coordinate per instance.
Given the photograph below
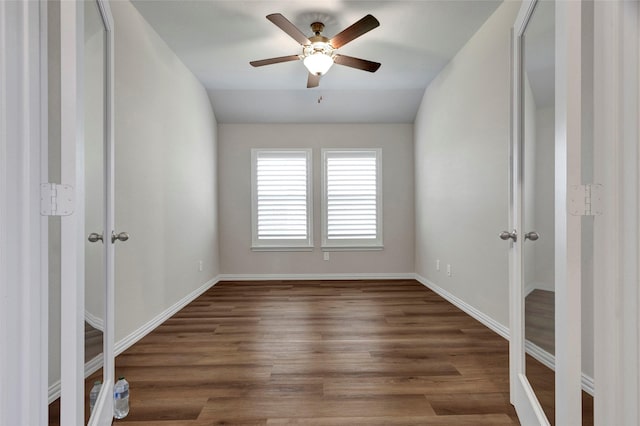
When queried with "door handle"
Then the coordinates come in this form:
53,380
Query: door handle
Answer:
533,235
94,237
121,236
505,235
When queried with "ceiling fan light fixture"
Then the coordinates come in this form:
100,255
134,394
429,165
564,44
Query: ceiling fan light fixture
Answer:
318,63
319,52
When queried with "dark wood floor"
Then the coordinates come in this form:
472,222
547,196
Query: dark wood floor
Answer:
539,319
92,342
318,353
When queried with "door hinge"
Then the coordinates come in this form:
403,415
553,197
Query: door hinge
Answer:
56,199
585,200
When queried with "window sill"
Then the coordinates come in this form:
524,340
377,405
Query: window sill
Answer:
352,248
280,248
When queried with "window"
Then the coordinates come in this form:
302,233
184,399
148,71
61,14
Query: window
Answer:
281,199
352,199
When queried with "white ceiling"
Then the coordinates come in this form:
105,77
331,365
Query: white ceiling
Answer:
217,39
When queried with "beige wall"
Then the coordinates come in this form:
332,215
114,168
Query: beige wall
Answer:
462,170
165,134
235,143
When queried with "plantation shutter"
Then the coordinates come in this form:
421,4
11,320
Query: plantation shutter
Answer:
352,197
282,197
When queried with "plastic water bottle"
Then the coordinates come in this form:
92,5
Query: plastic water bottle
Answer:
93,395
121,398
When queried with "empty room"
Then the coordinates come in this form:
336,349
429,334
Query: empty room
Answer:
334,213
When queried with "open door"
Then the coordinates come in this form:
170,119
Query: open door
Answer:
545,231
87,246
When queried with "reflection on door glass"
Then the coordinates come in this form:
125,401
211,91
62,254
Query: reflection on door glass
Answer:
94,146
538,139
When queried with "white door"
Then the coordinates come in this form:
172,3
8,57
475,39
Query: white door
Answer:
545,239
87,246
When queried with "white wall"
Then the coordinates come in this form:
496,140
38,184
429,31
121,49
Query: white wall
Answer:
544,198
538,193
235,143
530,147
462,170
165,134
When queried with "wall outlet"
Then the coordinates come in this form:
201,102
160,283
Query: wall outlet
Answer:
200,266
448,270
326,255
437,264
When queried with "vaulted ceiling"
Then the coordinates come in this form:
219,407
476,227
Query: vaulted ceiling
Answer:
217,39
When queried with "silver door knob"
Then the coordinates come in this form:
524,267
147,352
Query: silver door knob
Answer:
94,237
505,235
533,235
121,236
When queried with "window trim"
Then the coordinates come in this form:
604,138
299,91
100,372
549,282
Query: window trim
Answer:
353,244
281,244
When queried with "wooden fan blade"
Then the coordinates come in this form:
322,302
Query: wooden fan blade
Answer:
363,26
313,81
277,60
285,25
361,64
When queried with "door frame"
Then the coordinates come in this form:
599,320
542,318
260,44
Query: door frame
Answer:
568,112
617,231
24,241
522,395
568,227
72,226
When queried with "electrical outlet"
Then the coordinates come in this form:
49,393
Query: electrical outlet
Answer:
448,270
437,264
200,266
326,255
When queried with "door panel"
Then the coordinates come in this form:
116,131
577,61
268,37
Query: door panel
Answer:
538,167
86,46
544,247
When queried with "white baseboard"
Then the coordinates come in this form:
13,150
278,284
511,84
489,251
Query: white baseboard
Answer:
54,391
96,363
308,277
588,385
528,289
544,357
94,321
147,328
549,360
537,285
475,313
535,351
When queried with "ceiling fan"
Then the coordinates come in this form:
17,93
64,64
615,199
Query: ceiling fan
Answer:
320,52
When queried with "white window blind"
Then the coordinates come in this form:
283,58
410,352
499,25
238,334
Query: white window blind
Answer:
352,198
281,199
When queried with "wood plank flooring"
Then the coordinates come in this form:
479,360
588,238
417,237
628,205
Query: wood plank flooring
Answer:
539,317
317,353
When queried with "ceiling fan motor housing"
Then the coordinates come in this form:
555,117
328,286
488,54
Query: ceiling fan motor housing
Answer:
321,49
317,28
